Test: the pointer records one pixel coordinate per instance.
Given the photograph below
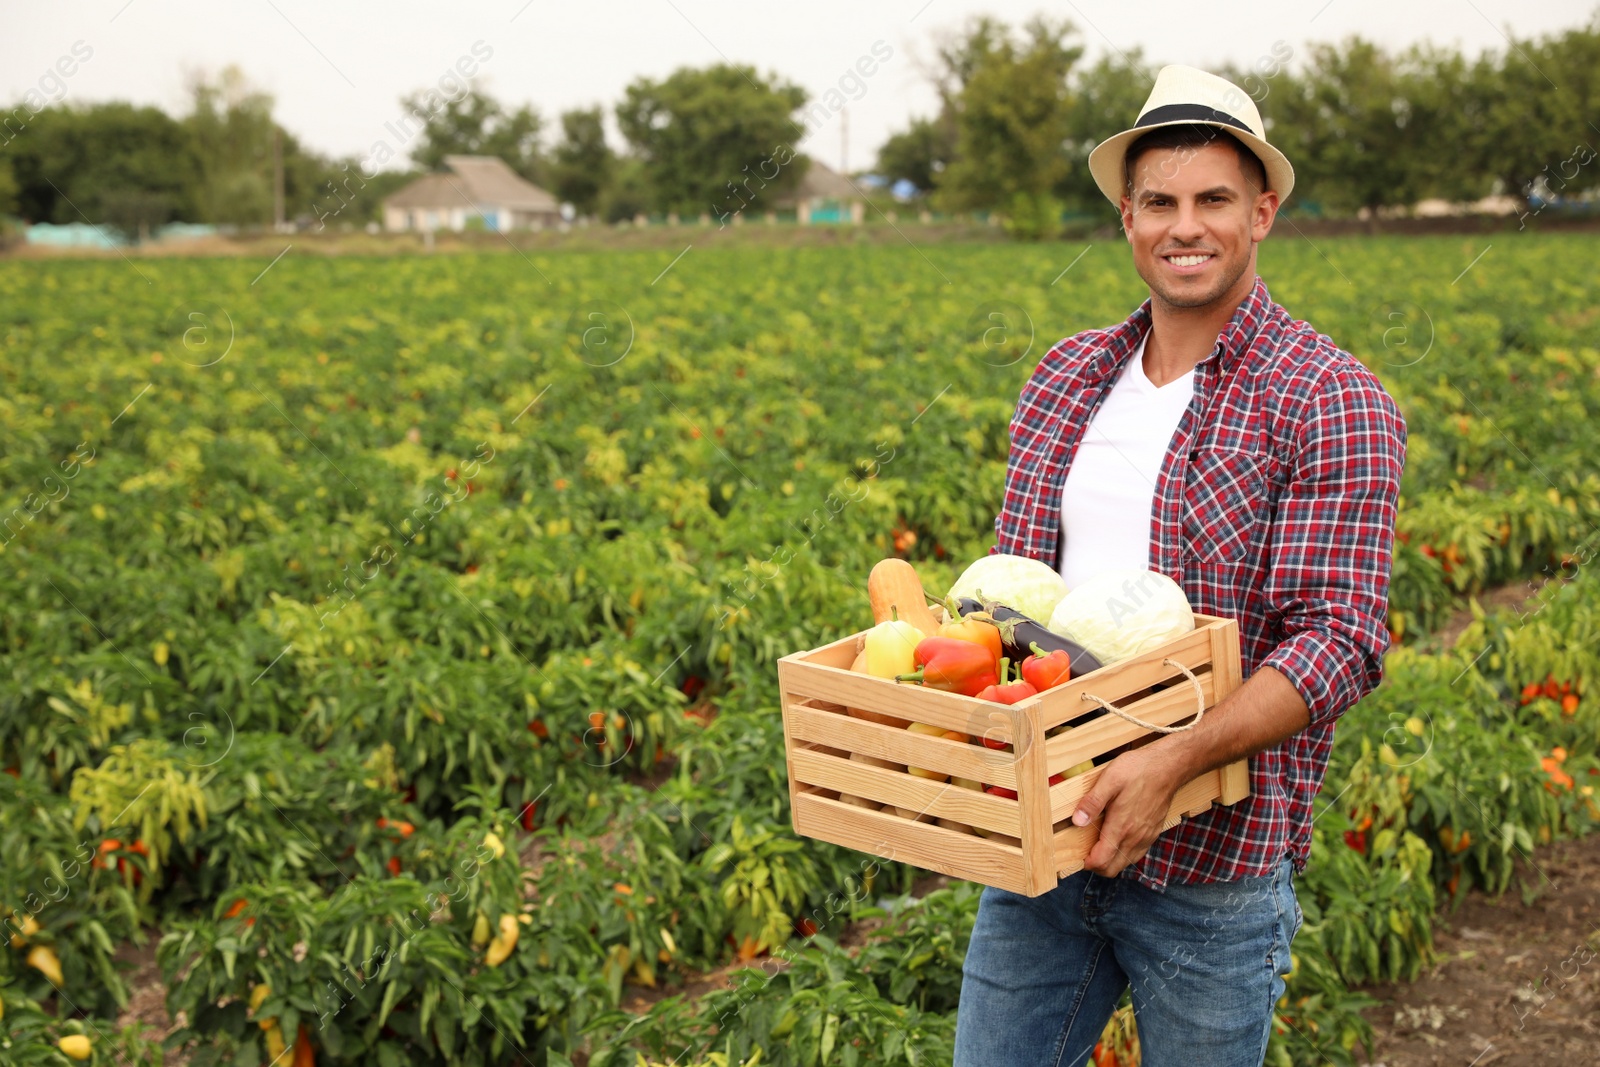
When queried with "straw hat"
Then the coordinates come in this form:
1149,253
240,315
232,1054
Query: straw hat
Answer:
1183,96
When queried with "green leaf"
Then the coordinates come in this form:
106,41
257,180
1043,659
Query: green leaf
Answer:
391,993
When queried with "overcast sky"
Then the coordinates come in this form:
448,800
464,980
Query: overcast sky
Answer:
337,68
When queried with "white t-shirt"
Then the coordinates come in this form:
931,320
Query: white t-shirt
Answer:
1110,488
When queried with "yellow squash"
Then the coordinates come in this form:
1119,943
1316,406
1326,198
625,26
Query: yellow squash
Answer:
895,591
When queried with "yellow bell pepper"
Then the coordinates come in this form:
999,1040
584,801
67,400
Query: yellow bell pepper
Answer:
276,1046
258,996
480,930
75,1046
891,648
506,940
259,993
42,958
29,927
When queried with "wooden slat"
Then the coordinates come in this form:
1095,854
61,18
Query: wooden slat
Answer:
1226,667
1062,703
1064,796
1073,843
988,766
903,700
1235,782
790,742
840,653
1038,858
924,845
939,799
1091,739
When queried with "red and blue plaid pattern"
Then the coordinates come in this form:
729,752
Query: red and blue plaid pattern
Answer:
1276,507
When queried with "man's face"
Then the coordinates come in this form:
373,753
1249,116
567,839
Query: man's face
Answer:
1193,222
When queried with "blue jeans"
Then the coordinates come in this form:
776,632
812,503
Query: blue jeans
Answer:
1205,962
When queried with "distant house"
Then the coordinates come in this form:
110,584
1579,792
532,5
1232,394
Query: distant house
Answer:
471,186
825,195
84,235
1489,205
74,235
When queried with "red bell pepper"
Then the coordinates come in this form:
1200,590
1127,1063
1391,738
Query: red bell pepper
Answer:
951,664
1047,669
1005,694
1014,693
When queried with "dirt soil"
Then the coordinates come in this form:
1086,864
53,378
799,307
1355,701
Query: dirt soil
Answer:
1517,596
1516,983
148,1003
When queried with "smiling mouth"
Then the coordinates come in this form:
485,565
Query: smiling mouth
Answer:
1188,259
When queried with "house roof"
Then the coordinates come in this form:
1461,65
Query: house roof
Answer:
428,191
473,181
821,180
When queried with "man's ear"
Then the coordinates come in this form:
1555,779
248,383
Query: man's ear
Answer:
1126,211
1266,212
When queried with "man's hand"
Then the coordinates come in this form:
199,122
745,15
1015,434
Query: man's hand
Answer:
1135,792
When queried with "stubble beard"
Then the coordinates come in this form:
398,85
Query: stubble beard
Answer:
1176,297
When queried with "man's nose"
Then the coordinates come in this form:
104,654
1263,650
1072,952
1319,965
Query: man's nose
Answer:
1187,226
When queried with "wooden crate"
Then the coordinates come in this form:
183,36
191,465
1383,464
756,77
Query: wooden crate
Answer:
1036,843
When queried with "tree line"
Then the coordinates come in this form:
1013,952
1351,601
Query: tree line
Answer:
712,141
1365,127
1019,108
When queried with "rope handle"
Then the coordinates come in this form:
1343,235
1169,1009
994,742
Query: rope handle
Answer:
1199,696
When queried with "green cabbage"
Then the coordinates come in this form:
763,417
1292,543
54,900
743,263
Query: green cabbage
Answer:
1121,613
1020,583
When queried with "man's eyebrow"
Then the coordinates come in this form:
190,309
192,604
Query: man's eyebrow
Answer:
1147,195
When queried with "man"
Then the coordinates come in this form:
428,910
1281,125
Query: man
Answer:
1217,440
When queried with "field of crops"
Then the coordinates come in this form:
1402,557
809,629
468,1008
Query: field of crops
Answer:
393,641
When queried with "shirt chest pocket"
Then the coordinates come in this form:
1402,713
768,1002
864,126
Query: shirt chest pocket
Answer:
1224,499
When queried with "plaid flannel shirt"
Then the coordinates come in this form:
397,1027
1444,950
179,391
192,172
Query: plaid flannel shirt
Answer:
1275,507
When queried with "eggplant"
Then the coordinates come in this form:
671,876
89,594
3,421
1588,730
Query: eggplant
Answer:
1019,633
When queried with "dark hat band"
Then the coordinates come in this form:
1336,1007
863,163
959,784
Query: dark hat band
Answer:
1189,113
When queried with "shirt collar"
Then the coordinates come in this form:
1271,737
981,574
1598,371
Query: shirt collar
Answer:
1232,342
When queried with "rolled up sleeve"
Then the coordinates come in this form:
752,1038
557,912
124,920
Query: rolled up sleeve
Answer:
1333,543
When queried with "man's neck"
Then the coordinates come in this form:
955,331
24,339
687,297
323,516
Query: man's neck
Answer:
1182,337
